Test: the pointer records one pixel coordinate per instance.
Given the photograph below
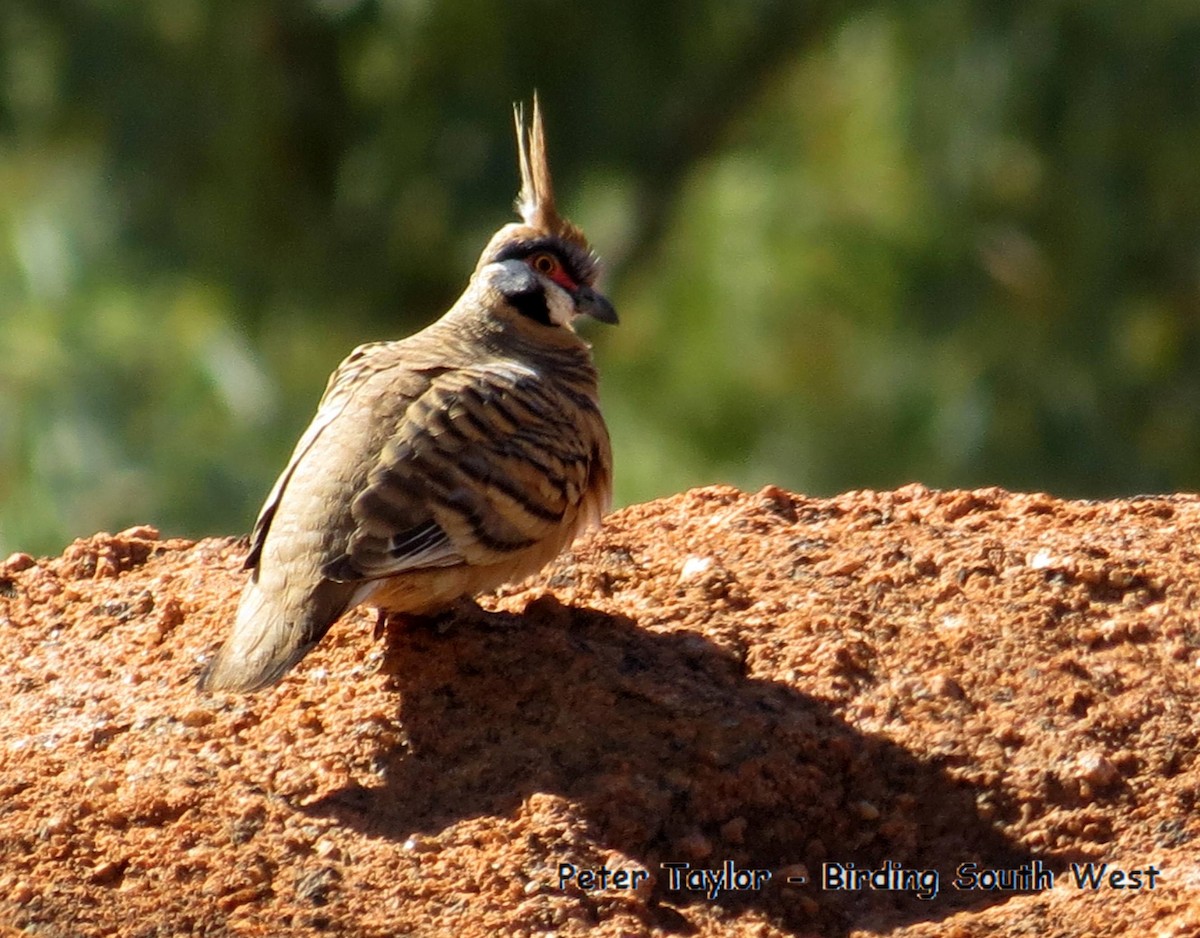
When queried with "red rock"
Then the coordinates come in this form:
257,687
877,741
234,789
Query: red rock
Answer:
768,681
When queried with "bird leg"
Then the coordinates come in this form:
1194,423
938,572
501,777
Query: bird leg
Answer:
390,623
440,622
381,624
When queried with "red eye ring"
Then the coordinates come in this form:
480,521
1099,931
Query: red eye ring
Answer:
544,263
548,264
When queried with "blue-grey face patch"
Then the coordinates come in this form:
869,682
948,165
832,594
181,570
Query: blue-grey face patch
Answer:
521,287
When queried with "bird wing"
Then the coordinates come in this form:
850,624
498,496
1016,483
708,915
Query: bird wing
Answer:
487,461
339,391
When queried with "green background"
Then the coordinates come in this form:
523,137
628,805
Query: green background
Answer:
852,245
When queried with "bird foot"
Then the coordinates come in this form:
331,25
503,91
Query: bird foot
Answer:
392,622
381,625
439,622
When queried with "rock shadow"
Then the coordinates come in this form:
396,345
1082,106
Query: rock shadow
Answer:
670,754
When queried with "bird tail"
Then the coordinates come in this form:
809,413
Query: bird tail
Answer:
271,634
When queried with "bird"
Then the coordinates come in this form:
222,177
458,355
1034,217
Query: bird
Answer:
444,464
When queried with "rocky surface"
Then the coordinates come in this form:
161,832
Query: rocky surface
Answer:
910,681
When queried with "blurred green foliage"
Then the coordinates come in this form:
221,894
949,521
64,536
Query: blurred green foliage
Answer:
852,244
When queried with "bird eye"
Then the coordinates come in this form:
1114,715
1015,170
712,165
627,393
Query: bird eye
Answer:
544,263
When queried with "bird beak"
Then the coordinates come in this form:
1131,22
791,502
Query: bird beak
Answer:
590,303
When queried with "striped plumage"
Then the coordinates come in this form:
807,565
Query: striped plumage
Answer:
442,465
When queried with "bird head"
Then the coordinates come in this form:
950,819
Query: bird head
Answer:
543,265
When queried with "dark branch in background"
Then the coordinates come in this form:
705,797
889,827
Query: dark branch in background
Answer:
695,120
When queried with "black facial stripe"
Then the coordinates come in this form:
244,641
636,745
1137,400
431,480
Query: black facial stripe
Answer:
577,262
532,304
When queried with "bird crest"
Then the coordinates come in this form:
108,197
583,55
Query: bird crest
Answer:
535,202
